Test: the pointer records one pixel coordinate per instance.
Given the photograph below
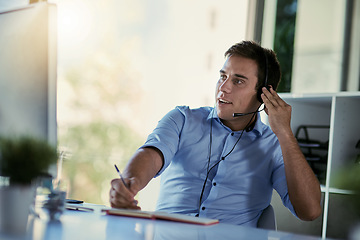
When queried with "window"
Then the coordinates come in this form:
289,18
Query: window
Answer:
122,66
313,41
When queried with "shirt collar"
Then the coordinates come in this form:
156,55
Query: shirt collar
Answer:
258,129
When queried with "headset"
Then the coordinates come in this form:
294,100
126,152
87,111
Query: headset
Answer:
221,159
259,91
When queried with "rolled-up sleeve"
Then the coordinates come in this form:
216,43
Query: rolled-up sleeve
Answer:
166,135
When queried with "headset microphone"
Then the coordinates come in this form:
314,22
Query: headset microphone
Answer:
243,114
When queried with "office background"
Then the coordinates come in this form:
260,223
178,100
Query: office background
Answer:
123,64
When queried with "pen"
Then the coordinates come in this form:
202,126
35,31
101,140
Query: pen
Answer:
122,179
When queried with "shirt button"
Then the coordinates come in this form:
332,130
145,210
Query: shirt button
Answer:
203,208
232,134
214,183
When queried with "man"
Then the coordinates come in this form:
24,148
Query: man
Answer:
219,166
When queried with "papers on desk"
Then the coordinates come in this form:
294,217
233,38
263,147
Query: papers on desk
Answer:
87,207
162,216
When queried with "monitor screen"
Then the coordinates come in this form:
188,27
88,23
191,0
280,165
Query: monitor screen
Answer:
28,59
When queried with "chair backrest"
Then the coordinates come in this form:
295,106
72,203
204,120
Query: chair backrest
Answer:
267,219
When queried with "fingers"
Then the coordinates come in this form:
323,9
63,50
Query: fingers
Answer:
120,196
275,105
278,111
271,98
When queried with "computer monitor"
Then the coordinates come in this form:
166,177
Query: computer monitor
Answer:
28,71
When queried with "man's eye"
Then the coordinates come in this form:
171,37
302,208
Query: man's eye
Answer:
222,77
238,81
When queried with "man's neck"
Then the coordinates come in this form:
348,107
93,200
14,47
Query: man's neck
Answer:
242,123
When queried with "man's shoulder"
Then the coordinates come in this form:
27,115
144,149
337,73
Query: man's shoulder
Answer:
188,111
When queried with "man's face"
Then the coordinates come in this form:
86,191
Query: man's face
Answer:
235,90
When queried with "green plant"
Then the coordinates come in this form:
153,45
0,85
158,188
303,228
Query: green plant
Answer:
349,178
25,158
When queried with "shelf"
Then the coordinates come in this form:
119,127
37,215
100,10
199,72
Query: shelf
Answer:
338,111
341,191
336,190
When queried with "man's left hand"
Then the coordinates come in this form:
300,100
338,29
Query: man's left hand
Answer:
278,111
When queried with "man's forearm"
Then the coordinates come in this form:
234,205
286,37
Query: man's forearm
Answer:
303,186
143,166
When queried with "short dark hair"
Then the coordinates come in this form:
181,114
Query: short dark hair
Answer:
253,50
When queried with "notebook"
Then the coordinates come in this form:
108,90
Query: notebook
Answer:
162,216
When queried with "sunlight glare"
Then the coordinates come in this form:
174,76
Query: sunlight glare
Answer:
74,22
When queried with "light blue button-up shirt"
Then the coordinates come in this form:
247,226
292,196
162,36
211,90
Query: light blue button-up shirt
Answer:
238,188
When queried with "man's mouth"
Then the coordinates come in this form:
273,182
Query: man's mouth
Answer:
224,101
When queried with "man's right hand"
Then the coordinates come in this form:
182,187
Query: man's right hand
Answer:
142,167
121,196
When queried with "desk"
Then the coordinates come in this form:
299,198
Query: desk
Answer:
88,225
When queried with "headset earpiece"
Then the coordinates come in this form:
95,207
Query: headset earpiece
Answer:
259,92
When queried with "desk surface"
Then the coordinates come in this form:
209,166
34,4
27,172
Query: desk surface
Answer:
89,225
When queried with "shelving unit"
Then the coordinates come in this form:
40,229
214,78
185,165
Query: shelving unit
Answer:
341,112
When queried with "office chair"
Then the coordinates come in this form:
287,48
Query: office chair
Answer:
267,219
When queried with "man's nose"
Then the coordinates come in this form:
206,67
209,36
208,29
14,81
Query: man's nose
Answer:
225,86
